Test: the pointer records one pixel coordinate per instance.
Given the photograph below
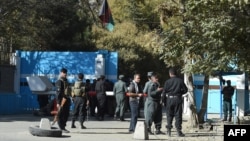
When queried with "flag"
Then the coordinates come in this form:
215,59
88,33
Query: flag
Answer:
106,16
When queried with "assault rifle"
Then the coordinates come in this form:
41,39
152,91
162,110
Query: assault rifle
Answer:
57,110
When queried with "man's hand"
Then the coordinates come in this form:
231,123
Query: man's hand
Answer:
135,95
159,89
140,94
58,106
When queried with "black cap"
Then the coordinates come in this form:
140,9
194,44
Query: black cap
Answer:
150,73
63,70
80,76
121,76
102,76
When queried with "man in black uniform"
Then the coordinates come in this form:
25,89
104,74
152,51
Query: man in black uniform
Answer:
80,99
92,98
227,92
43,100
63,99
100,89
174,88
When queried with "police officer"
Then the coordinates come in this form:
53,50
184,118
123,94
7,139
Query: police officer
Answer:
134,94
174,87
119,91
100,89
63,99
92,98
227,92
81,101
154,107
145,91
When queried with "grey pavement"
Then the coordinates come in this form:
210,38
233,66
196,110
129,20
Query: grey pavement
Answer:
15,128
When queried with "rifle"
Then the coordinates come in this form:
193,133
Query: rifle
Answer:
87,108
55,112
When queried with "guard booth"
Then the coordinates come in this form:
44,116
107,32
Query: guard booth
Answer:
47,65
240,99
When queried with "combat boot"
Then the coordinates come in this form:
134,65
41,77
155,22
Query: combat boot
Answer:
82,126
149,131
73,124
168,132
122,118
224,119
180,134
158,131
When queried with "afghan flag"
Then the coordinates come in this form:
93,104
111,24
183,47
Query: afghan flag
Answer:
106,16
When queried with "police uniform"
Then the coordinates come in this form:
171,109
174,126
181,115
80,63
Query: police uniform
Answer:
100,89
154,108
119,91
92,98
80,106
174,88
61,93
145,91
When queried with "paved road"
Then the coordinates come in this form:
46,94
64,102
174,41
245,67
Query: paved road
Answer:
15,128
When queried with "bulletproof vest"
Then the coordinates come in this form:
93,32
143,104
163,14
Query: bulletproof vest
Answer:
78,89
67,90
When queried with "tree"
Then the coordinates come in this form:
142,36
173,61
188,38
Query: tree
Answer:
199,35
132,38
46,25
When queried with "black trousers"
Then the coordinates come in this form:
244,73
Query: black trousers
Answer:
101,105
93,104
79,109
63,114
174,110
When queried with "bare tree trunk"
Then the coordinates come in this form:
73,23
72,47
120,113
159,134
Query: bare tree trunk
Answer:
203,109
193,120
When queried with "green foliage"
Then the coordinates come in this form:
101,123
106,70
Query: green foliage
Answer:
142,13
208,33
133,39
46,25
132,45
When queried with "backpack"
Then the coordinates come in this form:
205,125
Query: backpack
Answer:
78,89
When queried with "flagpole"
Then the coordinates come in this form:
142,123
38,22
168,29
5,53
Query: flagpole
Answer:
104,1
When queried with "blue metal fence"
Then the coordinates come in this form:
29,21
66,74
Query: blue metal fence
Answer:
49,64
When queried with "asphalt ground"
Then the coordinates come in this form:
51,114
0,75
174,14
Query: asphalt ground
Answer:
16,128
